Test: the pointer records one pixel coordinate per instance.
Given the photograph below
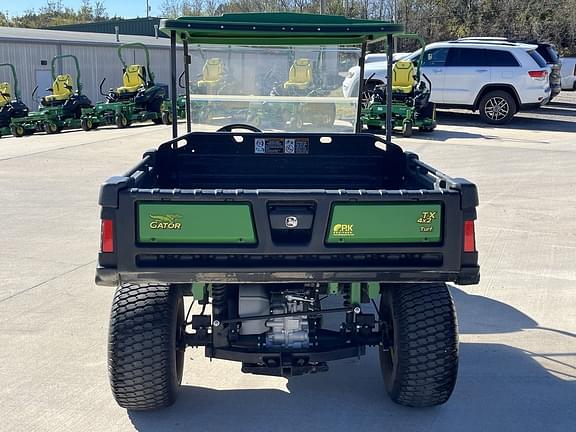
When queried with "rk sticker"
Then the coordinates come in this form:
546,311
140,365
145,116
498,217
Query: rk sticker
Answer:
343,230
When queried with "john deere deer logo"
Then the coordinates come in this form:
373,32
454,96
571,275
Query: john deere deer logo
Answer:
169,221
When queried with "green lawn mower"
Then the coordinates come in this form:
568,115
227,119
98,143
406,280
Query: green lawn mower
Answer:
11,106
60,110
304,82
410,98
180,105
215,80
139,99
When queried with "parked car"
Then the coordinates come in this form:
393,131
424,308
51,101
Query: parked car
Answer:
375,68
546,50
568,73
497,78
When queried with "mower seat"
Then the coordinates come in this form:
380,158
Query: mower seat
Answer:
403,77
5,94
132,80
211,72
300,75
61,89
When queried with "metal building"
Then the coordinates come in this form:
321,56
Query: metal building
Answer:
134,26
31,51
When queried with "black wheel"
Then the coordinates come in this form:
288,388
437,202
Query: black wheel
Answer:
17,131
419,322
255,121
407,129
328,116
52,128
497,107
427,128
167,118
145,347
296,122
87,124
231,127
121,121
158,120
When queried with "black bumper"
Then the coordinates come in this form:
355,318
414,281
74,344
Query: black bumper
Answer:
111,277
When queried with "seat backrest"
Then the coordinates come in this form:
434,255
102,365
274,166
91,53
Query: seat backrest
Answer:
62,85
133,76
403,74
5,93
300,71
212,70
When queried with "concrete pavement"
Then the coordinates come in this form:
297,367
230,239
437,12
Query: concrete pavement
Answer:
518,327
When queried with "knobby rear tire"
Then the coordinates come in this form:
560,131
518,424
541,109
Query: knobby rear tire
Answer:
145,350
421,367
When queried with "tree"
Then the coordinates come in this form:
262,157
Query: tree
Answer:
55,13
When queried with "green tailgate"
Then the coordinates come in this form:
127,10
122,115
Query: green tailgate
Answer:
195,223
385,223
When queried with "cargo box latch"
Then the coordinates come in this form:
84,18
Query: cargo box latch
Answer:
291,223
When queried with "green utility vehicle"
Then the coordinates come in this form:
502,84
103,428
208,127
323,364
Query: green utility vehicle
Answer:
264,226
411,106
60,110
11,106
139,99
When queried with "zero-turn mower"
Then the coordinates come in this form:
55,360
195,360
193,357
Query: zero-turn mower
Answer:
410,98
60,110
139,99
11,106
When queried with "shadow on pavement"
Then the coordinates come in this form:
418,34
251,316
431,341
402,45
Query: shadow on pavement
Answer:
499,388
524,120
445,135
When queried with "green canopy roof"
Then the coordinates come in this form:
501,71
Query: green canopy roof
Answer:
278,29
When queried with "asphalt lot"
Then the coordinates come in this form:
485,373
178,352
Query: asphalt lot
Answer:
518,326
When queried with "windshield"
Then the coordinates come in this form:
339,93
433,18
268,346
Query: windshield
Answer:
272,88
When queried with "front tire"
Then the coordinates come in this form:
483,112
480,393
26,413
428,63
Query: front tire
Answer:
145,346
497,107
167,118
87,124
52,128
17,131
419,322
121,121
407,129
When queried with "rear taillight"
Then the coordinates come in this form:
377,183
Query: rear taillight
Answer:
469,236
538,74
107,236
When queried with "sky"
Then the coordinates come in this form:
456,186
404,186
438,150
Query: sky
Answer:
124,8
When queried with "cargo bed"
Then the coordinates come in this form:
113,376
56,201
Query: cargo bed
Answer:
265,207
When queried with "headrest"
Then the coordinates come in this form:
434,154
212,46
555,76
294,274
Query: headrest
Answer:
302,62
403,64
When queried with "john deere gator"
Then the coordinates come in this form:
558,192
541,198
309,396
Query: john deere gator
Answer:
297,248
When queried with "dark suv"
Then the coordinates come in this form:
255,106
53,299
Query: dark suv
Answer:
549,53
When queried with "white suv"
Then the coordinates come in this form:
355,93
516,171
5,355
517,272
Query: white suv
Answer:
496,78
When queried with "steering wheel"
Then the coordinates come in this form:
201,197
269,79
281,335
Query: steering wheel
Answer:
228,128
